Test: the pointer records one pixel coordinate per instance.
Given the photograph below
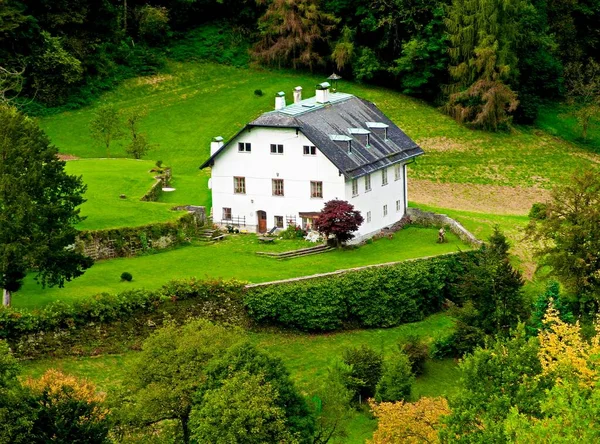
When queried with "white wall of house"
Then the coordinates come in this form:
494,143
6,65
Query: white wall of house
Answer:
259,167
393,195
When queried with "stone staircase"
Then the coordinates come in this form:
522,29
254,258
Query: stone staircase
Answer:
206,235
298,253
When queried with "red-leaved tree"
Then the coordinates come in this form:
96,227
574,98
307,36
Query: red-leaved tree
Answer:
340,219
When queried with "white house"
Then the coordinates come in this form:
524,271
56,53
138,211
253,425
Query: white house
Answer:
281,168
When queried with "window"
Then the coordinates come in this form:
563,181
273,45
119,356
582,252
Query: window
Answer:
276,149
239,185
385,210
368,217
316,189
398,206
384,177
397,172
279,221
277,187
354,187
244,147
226,213
310,150
367,183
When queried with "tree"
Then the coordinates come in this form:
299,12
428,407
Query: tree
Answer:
569,239
244,409
38,208
139,146
363,372
409,422
106,126
482,37
245,357
170,369
338,218
153,24
332,409
493,287
69,410
540,307
17,409
293,32
494,380
11,83
396,381
583,92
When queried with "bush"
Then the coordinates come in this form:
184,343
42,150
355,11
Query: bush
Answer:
365,367
417,352
397,380
293,232
373,297
258,92
125,276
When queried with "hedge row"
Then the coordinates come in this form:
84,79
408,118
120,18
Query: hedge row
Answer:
374,297
216,295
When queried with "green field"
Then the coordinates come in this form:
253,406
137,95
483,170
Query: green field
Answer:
107,180
235,257
307,357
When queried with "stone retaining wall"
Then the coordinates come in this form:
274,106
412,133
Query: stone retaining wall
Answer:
430,219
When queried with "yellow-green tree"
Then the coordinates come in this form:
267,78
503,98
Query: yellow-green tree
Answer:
409,422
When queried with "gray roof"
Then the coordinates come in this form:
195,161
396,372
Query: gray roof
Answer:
342,116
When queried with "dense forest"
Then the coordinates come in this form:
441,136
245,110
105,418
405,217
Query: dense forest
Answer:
488,62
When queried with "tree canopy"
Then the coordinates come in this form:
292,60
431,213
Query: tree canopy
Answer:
338,218
38,207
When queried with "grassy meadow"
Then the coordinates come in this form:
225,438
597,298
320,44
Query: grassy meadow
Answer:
234,257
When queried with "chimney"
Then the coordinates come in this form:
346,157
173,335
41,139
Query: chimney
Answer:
322,93
297,94
279,100
216,143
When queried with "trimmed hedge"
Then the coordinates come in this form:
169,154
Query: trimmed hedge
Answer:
220,297
374,297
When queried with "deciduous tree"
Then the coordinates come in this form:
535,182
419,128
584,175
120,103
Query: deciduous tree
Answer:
567,229
106,126
409,422
583,91
38,207
338,218
170,369
138,146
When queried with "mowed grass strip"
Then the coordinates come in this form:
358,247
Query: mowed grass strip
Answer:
107,180
190,103
234,257
307,357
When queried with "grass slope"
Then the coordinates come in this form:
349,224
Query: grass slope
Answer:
232,258
192,102
306,356
106,180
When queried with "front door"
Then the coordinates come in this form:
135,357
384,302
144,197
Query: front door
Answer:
262,221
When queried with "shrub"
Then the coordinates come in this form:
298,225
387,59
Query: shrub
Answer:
125,276
258,92
365,367
417,351
397,379
374,297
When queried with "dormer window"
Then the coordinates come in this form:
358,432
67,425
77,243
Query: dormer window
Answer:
380,126
361,132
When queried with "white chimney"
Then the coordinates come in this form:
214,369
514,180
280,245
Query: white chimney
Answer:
297,94
322,93
279,100
216,144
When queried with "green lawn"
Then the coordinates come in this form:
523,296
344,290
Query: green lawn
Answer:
235,257
306,356
558,120
107,180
